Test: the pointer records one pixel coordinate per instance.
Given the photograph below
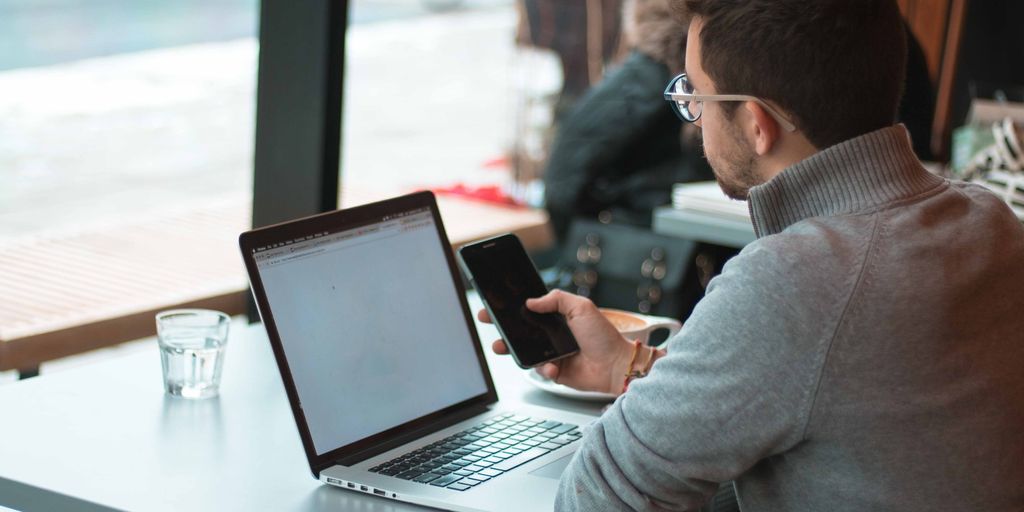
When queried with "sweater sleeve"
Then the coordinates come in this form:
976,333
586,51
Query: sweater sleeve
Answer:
736,387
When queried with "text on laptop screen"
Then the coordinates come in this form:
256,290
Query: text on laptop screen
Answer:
372,327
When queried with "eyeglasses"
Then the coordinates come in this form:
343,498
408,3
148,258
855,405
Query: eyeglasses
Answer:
688,106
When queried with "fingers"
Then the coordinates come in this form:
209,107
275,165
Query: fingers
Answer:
499,347
483,316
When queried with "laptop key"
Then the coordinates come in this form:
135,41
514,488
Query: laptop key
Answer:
444,481
547,446
409,475
469,482
549,424
563,428
478,477
491,472
458,486
426,477
464,472
563,439
518,460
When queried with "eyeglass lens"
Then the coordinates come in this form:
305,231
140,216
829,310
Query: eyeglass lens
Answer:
690,110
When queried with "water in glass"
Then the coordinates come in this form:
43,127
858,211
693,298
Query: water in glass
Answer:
192,365
192,345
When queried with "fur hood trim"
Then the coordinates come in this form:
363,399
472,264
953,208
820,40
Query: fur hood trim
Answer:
654,28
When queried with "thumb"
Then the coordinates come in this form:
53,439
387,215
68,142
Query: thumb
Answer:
553,301
549,371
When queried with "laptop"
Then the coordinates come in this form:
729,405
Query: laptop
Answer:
383,367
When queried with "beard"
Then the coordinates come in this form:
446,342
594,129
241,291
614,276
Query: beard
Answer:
734,166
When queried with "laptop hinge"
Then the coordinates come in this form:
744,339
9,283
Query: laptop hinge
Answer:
426,430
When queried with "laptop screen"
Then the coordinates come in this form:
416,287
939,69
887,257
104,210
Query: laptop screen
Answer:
371,326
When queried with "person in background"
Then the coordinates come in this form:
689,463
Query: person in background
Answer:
864,352
619,150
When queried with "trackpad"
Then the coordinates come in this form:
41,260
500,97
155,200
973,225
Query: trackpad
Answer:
554,469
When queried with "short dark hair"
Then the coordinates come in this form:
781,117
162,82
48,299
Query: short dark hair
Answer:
836,66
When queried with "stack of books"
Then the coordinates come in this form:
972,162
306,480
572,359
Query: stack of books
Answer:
706,197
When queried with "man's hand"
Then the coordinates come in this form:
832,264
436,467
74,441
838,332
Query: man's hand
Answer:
604,354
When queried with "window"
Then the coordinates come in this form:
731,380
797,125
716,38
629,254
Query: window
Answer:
114,110
436,96
126,147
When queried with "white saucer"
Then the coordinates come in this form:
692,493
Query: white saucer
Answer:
565,391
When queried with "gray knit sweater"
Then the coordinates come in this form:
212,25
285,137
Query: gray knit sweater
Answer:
866,352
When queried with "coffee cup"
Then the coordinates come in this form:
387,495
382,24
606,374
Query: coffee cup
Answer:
640,326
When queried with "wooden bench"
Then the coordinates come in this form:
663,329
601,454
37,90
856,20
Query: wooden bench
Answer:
67,294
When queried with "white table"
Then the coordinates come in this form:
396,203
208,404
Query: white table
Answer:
105,437
703,227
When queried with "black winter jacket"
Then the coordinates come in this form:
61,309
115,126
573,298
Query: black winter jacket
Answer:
619,150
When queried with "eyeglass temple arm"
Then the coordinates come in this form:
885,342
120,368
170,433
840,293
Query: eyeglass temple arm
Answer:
786,123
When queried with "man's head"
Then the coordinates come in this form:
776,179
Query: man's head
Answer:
835,68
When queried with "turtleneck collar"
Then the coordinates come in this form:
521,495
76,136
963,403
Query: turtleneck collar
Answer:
857,175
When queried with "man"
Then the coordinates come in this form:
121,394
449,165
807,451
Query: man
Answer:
865,352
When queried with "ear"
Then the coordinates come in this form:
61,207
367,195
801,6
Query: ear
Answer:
764,130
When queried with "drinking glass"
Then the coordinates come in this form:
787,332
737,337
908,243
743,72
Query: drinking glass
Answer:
192,345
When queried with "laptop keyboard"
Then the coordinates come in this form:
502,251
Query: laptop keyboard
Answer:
482,452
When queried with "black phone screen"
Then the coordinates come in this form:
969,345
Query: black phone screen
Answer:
505,277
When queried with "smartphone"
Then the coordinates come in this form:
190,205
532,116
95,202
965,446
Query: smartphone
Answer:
505,277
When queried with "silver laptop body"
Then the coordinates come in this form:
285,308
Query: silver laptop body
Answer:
383,367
